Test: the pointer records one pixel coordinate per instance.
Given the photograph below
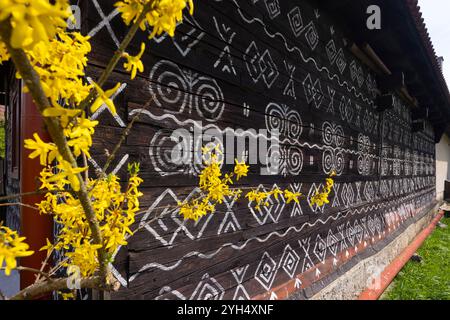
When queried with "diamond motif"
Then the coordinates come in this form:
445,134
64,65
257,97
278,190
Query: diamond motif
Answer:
266,271
289,261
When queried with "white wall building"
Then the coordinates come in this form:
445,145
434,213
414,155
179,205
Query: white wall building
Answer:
442,165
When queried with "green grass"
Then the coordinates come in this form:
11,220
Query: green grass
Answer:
430,278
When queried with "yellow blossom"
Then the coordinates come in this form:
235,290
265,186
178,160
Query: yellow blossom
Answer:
11,248
240,169
104,97
164,15
134,63
33,21
64,114
45,151
4,55
291,196
68,172
48,246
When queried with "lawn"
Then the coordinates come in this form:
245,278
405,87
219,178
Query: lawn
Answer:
430,278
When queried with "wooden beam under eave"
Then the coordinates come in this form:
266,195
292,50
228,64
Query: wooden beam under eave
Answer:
364,58
367,49
402,92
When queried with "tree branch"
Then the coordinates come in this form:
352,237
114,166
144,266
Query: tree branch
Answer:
32,81
41,288
39,272
117,55
10,204
125,134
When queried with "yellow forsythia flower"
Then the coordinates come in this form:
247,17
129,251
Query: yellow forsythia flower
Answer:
134,63
45,151
104,97
67,172
33,21
64,114
163,16
291,196
4,55
11,248
240,169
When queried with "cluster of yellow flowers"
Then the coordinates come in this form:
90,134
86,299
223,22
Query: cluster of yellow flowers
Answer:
262,197
60,64
4,55
59,57
134,63
115,211
215,186
162,16
34,21
11,248
320,197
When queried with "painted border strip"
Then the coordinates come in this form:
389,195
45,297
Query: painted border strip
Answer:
389,273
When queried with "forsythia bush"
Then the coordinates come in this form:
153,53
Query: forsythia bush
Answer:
215,186
95,214
38,28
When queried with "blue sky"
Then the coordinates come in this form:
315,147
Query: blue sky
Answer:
436,15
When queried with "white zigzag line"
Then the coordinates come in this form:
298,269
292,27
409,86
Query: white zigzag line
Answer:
262,240
244,133
195,123
320,69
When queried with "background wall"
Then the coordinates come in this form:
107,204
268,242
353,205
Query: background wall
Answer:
442,165
252,64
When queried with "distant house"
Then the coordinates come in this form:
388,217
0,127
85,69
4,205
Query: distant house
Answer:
443,168
367,104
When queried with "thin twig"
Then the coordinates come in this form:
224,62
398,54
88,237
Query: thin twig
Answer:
25,194
39,289
117,55
124,135
33,84
12,204
49,254
39,272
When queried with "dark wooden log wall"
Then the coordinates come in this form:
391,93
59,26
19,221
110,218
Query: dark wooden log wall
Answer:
258,64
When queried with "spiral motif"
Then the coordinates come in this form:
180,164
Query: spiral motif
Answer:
363,143
177,89
294,160
339,136
170,88
339,163
327,133
275,118
160,151
363,165
294,126
328,161
208,99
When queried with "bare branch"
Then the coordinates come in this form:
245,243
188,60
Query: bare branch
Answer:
32,81
125,134
11,204
41,288
117,55
39,272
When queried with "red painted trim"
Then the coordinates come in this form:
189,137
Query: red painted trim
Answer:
397,264
35,227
